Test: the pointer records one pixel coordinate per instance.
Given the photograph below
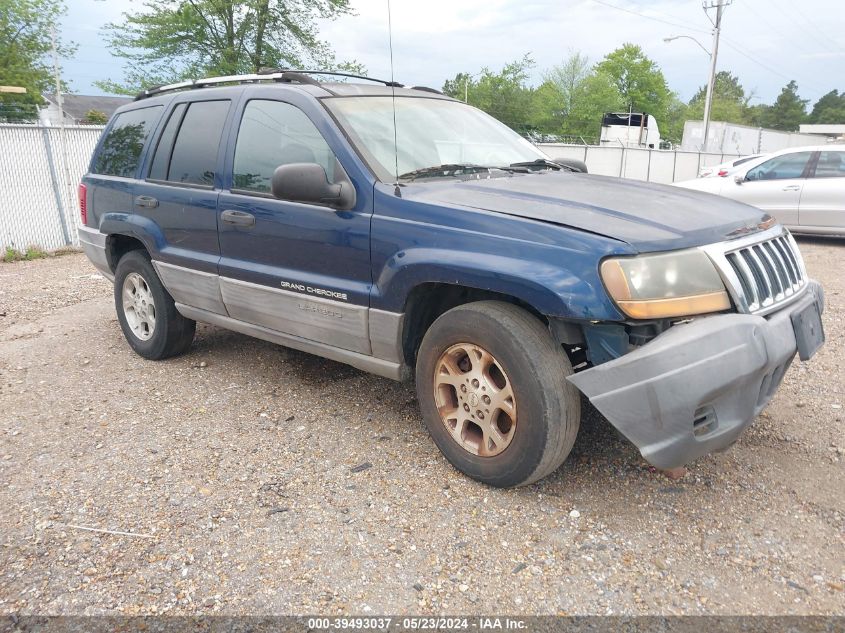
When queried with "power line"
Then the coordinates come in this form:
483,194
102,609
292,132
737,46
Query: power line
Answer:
813,31
736,47
739,49
649,17
773,27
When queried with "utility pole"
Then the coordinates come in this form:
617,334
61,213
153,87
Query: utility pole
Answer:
63,134
719,5
56,73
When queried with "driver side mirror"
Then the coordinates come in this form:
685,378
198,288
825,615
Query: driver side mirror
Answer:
740,178
308,182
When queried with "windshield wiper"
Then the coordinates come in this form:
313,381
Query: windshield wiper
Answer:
542,163
447,170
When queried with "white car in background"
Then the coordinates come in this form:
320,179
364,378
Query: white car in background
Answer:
724,170
803,187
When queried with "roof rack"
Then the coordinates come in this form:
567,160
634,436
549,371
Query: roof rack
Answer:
426,89
265,74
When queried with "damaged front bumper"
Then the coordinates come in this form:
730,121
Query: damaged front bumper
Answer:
694,388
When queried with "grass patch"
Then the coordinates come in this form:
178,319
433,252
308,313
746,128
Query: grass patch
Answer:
33,252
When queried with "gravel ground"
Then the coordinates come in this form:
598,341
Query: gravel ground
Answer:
254,480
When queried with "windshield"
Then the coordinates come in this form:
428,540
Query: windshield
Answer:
429,133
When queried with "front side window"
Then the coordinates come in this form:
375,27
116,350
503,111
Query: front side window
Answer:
121,149
781,167
831,165
273,133
194,157
429,133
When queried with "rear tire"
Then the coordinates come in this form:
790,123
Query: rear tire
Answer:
146,312
492,387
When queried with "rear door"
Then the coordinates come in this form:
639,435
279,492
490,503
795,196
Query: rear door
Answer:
114,169
774,186
302,269
823,198
180,197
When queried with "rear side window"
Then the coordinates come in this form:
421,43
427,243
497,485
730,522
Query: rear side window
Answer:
193,157
161,160
831,165
122,146
274,133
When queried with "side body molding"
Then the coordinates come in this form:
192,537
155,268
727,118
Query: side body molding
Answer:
334,323
356,335
191,287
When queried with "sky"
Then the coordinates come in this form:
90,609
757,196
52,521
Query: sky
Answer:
765,42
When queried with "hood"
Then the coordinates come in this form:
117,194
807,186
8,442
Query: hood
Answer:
647,216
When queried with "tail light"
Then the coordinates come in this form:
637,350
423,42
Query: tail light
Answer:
83,203
723,173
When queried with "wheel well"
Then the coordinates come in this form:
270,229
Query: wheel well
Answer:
118,245
428,301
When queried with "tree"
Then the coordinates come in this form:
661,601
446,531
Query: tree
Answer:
730,102
171,40
638,79
566,78
503,95
829,109
25,43
592,98
548,109
788,111
458,88
756,114
672,128
96,117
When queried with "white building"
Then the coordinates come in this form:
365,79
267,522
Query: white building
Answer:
831,131
77,107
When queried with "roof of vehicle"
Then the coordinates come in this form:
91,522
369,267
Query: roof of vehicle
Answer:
809,148
337,90
303,80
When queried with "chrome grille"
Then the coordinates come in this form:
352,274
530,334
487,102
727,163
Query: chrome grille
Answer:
762,271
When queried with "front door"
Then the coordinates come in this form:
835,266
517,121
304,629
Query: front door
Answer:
300,269
774,186
823,199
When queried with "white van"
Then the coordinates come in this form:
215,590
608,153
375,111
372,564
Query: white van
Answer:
634,129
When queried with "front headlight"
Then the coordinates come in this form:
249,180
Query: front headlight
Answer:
681,283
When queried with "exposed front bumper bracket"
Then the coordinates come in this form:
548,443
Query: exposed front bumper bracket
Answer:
693,389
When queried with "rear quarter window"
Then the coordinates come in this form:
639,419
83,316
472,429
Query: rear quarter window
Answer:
194,157
121,149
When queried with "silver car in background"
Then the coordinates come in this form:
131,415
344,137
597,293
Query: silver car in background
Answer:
803,187
723,170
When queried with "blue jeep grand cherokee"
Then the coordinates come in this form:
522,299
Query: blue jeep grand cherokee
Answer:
406,233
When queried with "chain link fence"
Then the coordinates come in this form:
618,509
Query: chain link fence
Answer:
40,168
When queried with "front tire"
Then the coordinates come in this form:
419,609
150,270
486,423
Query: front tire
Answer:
148,317
491,382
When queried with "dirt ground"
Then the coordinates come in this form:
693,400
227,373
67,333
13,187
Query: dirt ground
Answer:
252,479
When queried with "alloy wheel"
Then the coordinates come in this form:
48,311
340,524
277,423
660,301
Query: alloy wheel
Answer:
475,399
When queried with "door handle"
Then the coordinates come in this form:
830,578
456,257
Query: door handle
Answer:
791,188
147,202
238,218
